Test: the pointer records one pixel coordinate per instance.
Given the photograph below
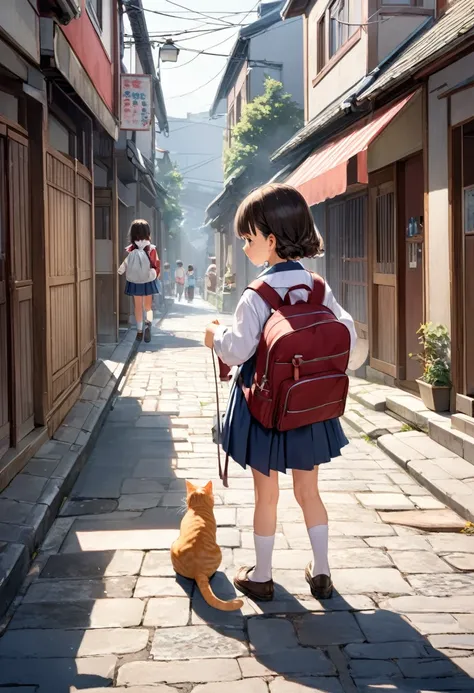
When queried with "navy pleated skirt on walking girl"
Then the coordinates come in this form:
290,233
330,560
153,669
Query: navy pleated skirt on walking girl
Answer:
147,289
263,449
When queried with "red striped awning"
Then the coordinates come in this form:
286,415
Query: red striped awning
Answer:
323,175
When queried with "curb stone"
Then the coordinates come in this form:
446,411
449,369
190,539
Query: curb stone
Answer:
40,488
438,469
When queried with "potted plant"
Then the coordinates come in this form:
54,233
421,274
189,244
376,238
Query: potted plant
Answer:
435,383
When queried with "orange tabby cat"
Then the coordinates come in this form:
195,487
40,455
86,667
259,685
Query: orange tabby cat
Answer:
195,554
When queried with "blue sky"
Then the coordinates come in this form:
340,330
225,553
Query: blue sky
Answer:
178,79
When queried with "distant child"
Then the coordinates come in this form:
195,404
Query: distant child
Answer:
190,284
276,224
141,268
166,279
179,279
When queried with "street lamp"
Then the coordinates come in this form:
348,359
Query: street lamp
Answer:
169,52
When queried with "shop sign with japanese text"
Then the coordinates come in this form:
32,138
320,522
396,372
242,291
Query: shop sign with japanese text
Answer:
135,102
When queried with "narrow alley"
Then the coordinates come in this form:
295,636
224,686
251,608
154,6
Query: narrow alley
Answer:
102,607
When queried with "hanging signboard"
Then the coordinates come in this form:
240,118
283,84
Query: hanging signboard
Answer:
135,102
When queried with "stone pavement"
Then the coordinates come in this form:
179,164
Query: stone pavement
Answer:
102,608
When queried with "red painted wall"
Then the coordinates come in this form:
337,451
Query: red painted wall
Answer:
88,47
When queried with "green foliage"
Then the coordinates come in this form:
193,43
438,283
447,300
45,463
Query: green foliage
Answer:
406,428
434,356
266,122
468,529
172,181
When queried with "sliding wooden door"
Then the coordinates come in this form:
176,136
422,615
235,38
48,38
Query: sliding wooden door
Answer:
384,305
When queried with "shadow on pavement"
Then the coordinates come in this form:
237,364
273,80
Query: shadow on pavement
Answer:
327,646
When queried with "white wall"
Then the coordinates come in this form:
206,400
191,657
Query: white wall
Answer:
438,299
401,138
281,43
107,26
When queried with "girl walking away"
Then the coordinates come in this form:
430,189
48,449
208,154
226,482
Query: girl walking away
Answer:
277,227
179,279
190,284
141,268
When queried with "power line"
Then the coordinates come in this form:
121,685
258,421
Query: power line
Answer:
227,14
194,167
214,20
254,8
198,53
201,14
171,153
204,181
201,86
189,125
169,34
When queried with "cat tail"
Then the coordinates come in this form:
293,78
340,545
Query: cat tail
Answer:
202,582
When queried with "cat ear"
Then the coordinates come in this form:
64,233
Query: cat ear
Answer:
190,487
208,488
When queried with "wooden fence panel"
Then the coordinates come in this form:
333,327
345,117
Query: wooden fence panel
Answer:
22,284
70,279
61,248
85,269
4,327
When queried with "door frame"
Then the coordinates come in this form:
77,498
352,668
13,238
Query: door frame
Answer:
17,289
385,178
5,366
402,269
457,243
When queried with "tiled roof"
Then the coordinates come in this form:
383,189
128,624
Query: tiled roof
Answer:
452,27
430,41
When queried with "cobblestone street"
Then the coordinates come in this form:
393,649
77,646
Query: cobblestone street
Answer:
102,607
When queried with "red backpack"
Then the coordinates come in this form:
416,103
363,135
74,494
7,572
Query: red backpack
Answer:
301,361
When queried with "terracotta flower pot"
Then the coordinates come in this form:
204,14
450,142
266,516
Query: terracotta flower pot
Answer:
435,397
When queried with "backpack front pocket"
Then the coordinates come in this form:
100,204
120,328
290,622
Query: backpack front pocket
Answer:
311,399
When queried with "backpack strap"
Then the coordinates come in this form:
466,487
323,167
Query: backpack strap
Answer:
265,291
319,290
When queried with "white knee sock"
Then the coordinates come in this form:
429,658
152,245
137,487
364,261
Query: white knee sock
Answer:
263,553
149,316
318,536
140,326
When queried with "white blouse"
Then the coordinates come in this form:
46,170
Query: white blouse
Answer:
238,343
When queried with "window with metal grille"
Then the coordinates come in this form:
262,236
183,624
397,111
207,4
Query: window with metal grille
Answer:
346,256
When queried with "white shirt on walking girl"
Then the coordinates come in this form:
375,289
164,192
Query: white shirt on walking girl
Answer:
237,344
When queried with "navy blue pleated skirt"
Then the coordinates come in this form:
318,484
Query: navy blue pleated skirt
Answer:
263,449
148,289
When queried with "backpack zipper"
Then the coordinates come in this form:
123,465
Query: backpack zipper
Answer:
319,406
310,380
298,315
319,358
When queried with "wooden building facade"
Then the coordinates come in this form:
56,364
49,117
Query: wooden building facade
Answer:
48,105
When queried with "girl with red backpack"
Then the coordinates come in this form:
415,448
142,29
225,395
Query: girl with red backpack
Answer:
142,269
276,224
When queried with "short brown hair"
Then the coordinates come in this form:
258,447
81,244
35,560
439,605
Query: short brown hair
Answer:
140,230
282,211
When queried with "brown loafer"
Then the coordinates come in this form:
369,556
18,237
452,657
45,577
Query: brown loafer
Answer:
320,585
260,591
147,332
139,336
